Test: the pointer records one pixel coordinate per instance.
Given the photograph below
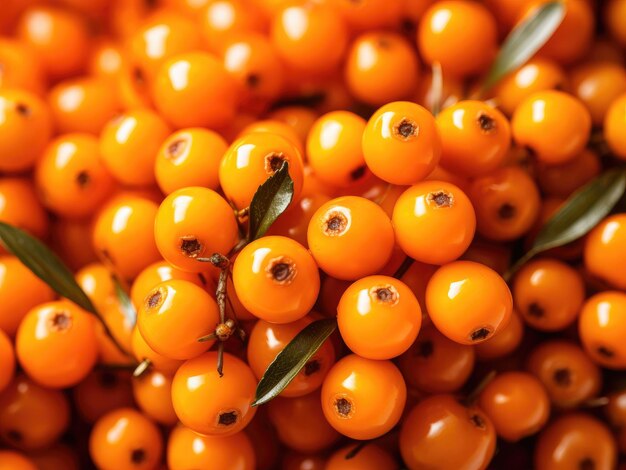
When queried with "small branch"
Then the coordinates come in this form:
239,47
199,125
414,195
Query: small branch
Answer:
404,267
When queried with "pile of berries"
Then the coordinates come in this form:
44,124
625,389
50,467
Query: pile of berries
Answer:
287,234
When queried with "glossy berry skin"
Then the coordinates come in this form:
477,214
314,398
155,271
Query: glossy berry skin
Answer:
7,360
71,179
468,302
434,222
191,78
379,317
548,294
436,364
267,340
381,67
153,394
189,157
598,86
614,125
554,125
253,158
350,237
187,449
502,343
276,279
562,180
31,416
125,438
21,67
605,252
11,460
568,374
142,351
469,428
401,143
25,128
461,36
333,148
56,344
123,234
516,403
371,457
184,232
601,326
475,138
363,398
229,410
159,319
576,440
101,392
22,207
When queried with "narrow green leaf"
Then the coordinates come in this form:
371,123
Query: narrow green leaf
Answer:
525,40
44,264
292,359
580,213
269,201
436,88
128,309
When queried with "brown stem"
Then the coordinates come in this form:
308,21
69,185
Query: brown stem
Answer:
472,397
404,267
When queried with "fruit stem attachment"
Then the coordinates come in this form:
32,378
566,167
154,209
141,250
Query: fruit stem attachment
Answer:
404,267
472,397
142,368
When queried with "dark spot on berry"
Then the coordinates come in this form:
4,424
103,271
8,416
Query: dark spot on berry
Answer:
424,349
406,128
535,310
480,334
384,42
312,367
138,76
606,352
155,299
486,123
23,109
530,151
507,211
61,321
203,279
384,295
477,421
358,173
281,271
190,247
274,162
343,406
107,256
253,80
562,377
138,456
227,419
83,179
441,199
586,464
176,148
335,224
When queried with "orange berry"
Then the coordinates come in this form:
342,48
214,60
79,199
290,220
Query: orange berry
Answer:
562,180
20,67
504,342
107,59
614,11
220,20
7,360
597,85
299,118
605,252
370,14
153,394
294,222
143,352
370,457
101,392
614,125
11,460
468,302
350,237
401,143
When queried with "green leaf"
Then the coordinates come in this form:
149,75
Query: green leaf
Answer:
436,88
525,40
292,359
44,264
269,201
580,213
128,309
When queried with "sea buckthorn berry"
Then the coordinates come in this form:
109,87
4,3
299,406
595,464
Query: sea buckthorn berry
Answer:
537,74
370,14
229,410
576,440
20,67
187,449
129,145
333,148
614,12
31,416
294,222
434,222
370,457
570,377
83,105
253,61
310,37
67,238
189,157
96,280
253,158
468,302
517,404
267,340
435,364
553,125
297,461
502,343
58,456
548,294
125,438
11,460
191,78
107,59
475,138
300,423
506,202
468,427
276,279
602,326
59,37
153,395
56,344
401,143
21,206
299,118
123,234
160,315
143,352
597,85
461,36
615,409
274,126
71,179
379,317
220,20
562,180
363,398
605,251
350,237
101,392
193,223
614,127
7,360
21,291
25,129
381,67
